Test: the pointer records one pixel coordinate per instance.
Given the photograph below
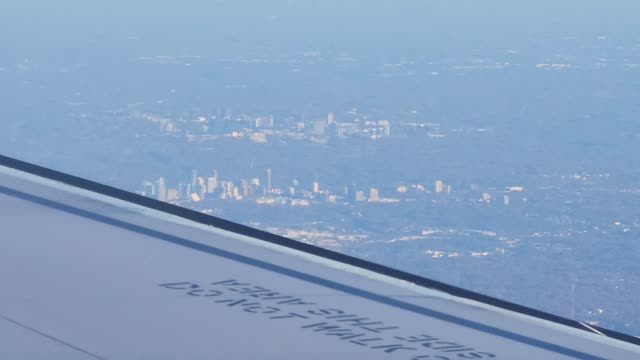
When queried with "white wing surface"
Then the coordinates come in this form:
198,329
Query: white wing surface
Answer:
92,272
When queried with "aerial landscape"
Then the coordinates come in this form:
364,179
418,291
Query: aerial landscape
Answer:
494,149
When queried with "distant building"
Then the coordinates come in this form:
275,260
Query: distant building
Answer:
330,118
162,189
212,184
246,189
269,179
194,181
316,187
486,197
374,195
360,196
228,187
439,186
385,127
299,202
319,128
149,189
507,200
271,122
202,188
172,194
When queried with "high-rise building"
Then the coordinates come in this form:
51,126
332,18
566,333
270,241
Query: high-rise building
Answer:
439,187
269,179
318,128
212,184
246,189
486,197
373,195
172,194
149,189
385,127
507,200
228,187
162,189
330,118
270,123
194,181
202,188
316,187
360,196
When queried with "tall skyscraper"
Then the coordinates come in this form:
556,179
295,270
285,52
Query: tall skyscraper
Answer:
316,187
172,194
202,188
246,189
269,179
439,187
149,189
194,181
385,127
330,118
162,189
212,184
373,195
319,128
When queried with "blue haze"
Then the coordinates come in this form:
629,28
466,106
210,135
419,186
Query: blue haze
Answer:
75,75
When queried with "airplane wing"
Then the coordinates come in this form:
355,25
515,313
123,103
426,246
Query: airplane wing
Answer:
88,271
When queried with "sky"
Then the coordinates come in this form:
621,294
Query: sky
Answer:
387,26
